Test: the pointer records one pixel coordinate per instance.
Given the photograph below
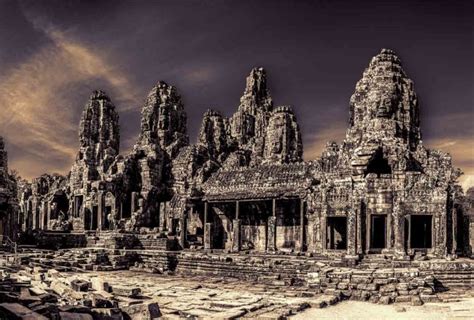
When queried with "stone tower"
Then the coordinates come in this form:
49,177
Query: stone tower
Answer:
163,121
213,135
283,137
384,105
251,118
99,137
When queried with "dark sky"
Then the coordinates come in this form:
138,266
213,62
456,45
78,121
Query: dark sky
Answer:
54,53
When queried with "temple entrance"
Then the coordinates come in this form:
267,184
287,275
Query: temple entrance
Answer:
126,207
108,211
254,217
421,231
95,215
336,233
87,219
288,224
378,231
90,218
222,215
78,205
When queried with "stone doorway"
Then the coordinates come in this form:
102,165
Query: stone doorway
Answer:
378,231
336,233
106,223
421,231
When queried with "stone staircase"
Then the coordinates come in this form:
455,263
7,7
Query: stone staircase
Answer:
454,279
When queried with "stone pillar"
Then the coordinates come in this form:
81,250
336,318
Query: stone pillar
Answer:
33,215
302,226
207,228
271,234
409,234
101,210
48,215
29,214
237,209
398,229
351,233
134,202
42,213
359,227
182,230
454,230
162,218
368,231
236,243
207,236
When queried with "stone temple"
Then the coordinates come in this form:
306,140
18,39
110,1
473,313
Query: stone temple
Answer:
378,217
244,185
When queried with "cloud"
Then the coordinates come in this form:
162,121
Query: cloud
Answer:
461,150
38,100
317,143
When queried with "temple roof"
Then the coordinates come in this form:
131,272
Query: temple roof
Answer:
261,182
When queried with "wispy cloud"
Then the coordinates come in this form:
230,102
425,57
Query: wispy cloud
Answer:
315,144
461,150
37,99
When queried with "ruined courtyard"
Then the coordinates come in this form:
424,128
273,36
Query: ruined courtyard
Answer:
237,224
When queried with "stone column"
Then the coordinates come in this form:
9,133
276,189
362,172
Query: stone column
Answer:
236,243
368,231
207,228
271,234
454,230
359,227
134,202
33,215
409,233
101,210
48,215
207,236
398,229
351,233
301,247
236,237
42,213
182,230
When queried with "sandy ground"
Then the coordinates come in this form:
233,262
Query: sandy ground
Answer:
463,309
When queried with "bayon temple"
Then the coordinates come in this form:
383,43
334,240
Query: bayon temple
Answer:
243,186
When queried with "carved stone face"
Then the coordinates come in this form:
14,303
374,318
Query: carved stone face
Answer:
384,108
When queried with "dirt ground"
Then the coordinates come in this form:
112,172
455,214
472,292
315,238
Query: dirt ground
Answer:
463,309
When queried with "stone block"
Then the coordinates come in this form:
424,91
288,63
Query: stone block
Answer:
403,299
385,300
126,291
416,301
144,311
17,311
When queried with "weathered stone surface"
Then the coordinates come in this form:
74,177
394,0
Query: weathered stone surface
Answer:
163,120
213,135
283,138
8,197
99,137
244,185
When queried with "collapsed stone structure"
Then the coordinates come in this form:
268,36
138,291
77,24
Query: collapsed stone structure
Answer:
8,199
244,185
